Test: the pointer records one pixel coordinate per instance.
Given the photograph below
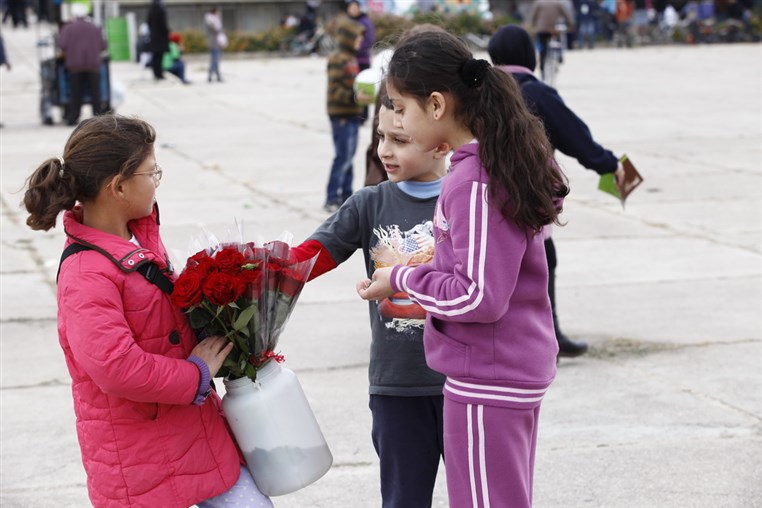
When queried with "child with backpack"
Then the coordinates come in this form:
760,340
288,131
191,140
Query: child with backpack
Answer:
150,428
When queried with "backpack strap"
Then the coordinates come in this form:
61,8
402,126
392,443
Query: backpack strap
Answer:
150,271
70,251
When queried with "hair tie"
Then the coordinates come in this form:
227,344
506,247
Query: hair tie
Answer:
61,162
472,72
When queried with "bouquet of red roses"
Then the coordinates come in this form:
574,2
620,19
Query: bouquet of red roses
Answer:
245,293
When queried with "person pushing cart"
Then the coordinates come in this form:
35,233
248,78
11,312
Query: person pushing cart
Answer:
79,73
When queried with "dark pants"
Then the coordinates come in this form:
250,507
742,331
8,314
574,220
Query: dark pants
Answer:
543,42
407,436
157,59
550,255
77,81
345,144
178,69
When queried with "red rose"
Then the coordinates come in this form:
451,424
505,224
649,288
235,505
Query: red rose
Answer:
251,275
252,278
202,262
273,275
223,288
278,250
187,292
198,257
229,260
291,282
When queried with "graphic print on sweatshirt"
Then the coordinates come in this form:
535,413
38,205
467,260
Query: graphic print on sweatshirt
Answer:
440,222
395,247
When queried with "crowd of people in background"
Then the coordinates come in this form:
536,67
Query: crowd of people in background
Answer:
631,22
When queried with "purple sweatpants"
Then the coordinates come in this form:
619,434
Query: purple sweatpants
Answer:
489,454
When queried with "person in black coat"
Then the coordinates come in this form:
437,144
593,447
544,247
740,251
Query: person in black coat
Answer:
512,50
3,57
157,25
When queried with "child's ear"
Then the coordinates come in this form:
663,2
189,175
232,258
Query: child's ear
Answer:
438,105
441,151
115,187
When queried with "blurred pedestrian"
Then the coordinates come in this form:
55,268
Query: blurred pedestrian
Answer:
512,51
607,19
623,16
43,11
16,10
343,110
216,40
159,28
83,45
143,46
308,20
355,12
587,18
543,18
3,57
173,62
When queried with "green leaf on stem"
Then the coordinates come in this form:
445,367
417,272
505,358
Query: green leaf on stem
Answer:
243,319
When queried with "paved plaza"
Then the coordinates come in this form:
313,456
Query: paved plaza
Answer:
665,410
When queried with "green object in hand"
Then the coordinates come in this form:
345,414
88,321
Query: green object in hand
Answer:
607,183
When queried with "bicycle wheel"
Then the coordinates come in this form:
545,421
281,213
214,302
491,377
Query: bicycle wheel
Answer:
326,44
552,62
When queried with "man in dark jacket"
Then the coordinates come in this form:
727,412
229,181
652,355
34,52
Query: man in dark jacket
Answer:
83,45
512,50
157,24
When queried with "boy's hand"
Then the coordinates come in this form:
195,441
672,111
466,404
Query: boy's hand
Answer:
378,288
363,98
213,350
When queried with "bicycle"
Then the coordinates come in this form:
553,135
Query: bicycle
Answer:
554,55
306,43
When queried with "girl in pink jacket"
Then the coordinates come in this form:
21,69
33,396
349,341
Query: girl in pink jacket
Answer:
489,327
151,431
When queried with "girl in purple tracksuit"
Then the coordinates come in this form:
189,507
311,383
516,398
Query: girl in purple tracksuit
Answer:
489,326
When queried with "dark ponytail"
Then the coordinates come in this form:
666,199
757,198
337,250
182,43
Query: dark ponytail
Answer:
99,149
513,146
49,192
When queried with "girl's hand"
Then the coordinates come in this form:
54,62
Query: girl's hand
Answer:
378,288
213,350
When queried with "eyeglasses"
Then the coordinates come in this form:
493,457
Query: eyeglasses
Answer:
157,173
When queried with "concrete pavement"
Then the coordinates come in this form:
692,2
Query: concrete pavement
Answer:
665,410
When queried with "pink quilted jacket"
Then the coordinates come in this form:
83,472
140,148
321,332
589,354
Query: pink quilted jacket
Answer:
143,443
